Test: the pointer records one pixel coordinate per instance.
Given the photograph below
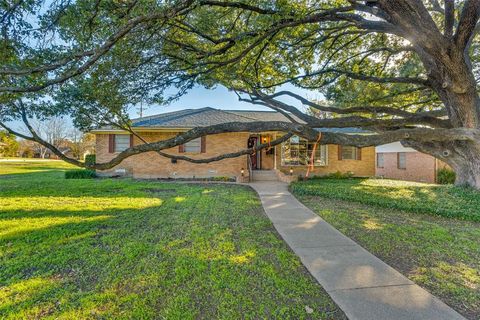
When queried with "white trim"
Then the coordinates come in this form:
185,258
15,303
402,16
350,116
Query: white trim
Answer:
393,147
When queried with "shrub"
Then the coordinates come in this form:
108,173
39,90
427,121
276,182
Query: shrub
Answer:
445,176
90,159
339,175
80,174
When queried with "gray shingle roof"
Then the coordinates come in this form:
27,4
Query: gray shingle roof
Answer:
190,118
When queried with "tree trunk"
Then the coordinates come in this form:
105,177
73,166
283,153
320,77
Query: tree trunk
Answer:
462,156
468,174
465,161
451,77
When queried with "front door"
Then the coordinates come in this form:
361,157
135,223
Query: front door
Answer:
254,158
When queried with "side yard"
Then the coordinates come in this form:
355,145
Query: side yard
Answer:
125,249
430,233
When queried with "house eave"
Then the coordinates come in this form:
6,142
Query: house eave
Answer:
139,129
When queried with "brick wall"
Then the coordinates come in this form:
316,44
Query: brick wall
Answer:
420,167
360,168
151,165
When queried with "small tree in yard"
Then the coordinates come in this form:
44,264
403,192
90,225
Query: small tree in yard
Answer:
52,130
8,144
405,69
81,143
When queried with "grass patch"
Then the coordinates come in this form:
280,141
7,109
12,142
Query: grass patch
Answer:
119,248
438,253
444,200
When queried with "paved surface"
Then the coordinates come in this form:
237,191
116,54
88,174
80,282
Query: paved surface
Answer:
362,285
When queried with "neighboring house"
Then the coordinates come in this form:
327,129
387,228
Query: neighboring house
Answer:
290,158
395,161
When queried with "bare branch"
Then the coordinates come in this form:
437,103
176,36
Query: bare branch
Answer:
353,121
360,109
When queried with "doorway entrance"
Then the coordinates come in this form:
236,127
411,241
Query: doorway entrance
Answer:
263,159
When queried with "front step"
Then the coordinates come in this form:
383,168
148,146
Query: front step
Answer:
264,175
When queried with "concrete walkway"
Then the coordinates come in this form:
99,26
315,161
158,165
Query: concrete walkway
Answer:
362,285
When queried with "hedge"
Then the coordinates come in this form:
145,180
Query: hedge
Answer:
90,159
80,174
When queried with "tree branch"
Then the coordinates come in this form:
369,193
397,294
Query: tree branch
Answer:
239,5
98,53
232,154
417,134
449,18
467,23
354,121
350,110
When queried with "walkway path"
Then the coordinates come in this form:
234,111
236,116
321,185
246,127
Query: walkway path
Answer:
362,285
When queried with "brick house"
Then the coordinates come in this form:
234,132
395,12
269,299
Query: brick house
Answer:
284,161
395,161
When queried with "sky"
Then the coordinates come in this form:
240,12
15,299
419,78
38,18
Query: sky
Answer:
218,98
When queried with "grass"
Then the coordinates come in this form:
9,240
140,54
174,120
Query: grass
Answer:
442,200
126,249
439,253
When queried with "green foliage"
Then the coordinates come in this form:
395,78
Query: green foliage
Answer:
447,201
80,174
90,159
8,144
446,176
222,179
128,249
339,175
439,254
333,175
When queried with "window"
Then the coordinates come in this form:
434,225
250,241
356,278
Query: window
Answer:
401,160
349,153
194,145
122,142
298,152
380,160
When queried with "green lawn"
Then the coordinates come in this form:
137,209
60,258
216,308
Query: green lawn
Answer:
443,200
417,238
119,248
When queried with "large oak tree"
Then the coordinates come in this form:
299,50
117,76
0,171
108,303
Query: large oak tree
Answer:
404,69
